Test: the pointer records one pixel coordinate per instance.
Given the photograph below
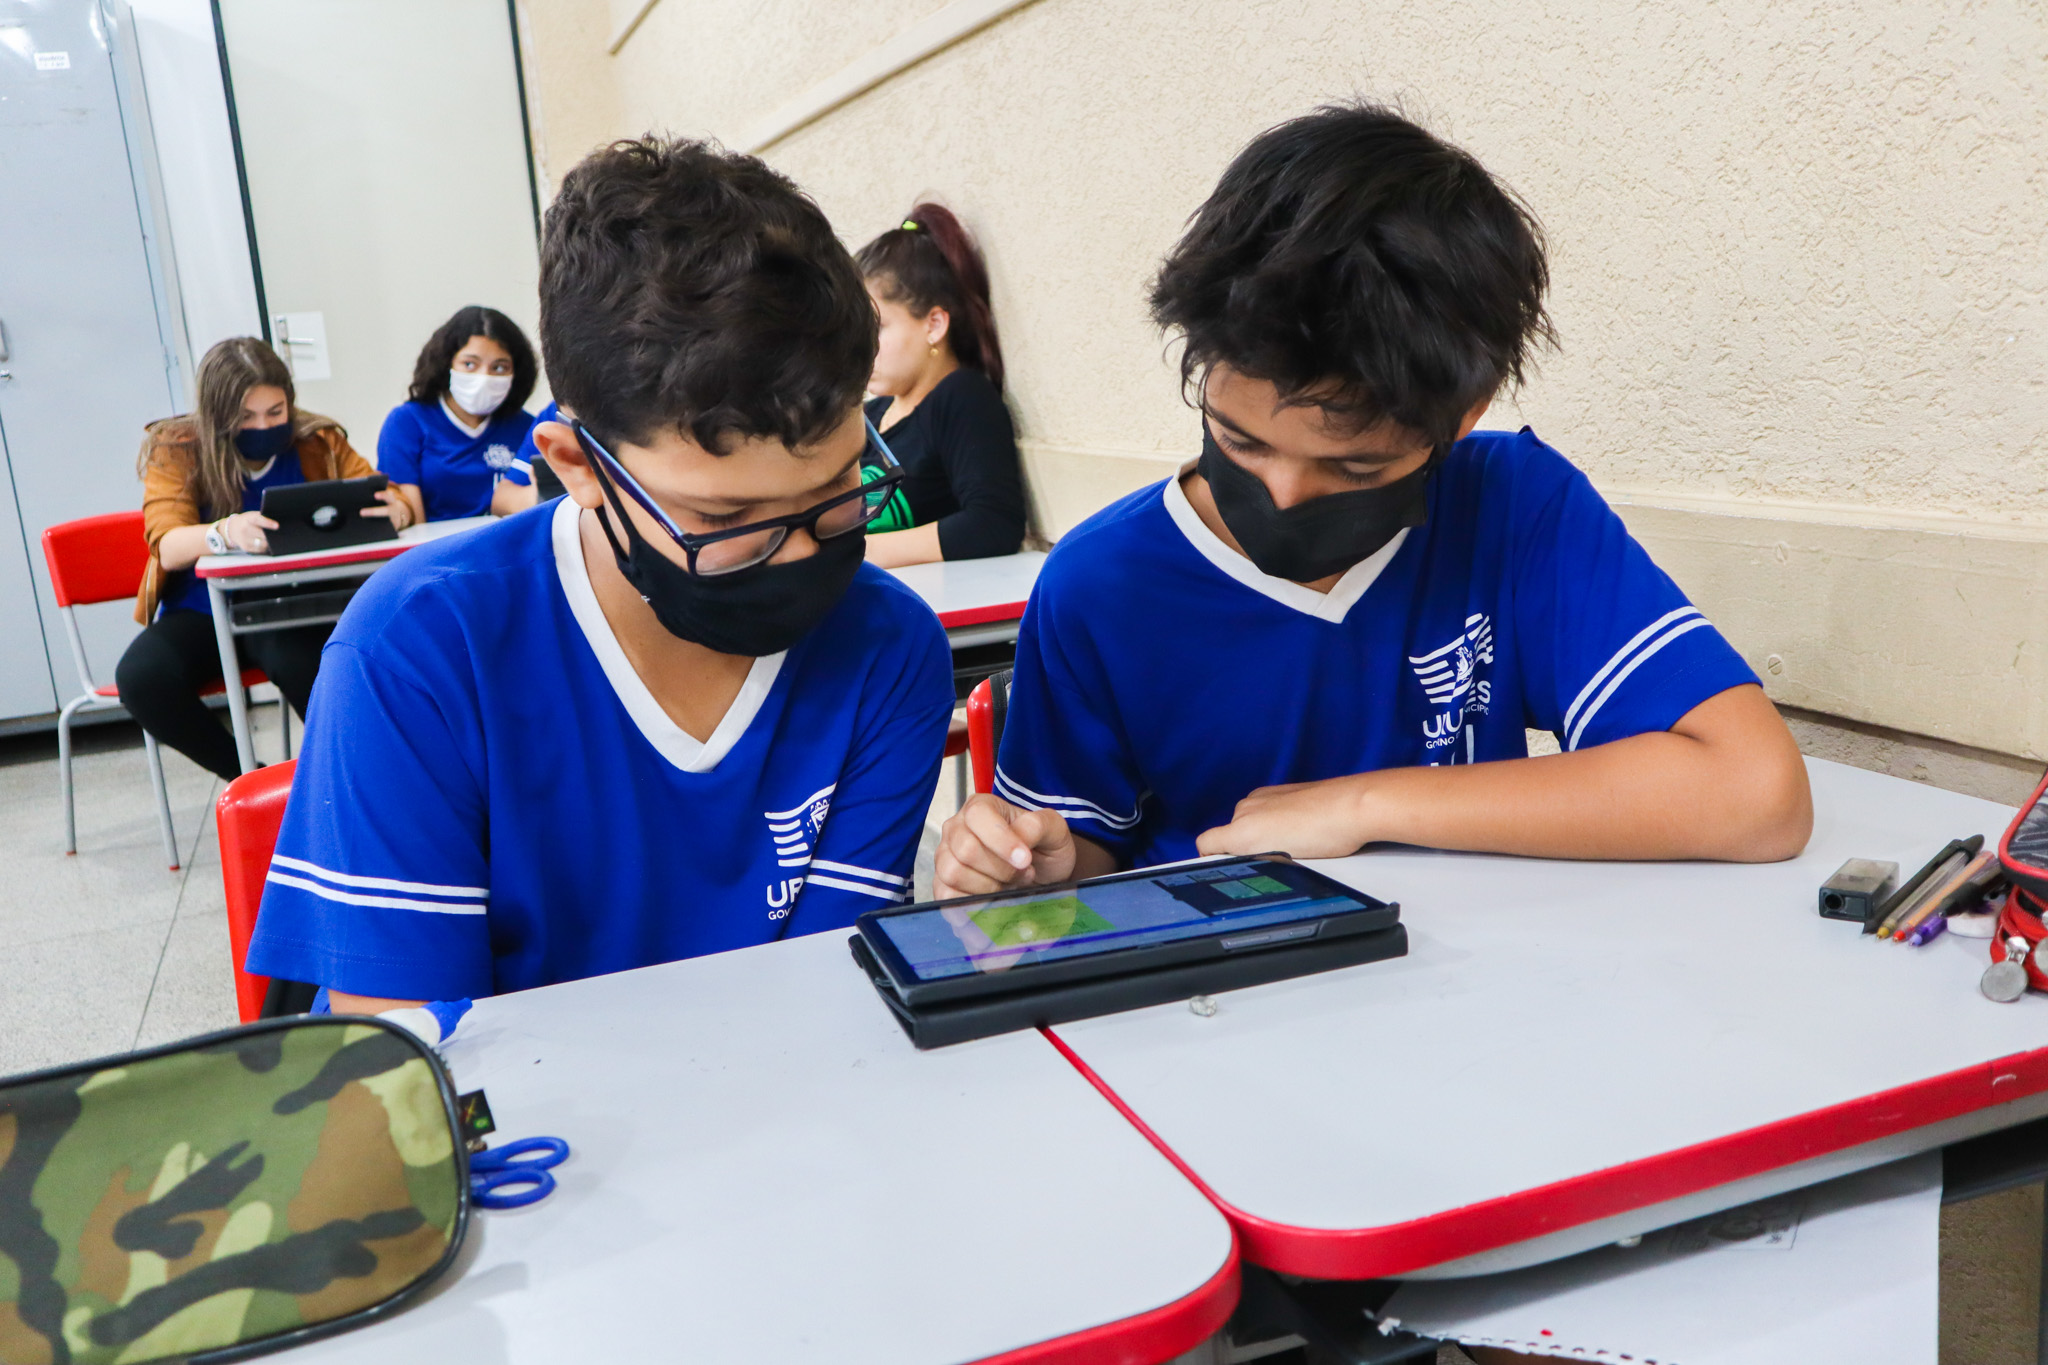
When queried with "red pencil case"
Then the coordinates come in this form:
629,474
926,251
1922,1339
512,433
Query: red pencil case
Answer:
2023,854
2023,851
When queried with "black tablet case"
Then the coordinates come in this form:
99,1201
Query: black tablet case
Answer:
958,1021
296,508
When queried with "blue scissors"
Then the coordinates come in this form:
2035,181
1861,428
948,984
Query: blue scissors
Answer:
497,1174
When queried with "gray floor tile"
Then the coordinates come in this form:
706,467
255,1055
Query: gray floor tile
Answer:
194,990
119,876
66,999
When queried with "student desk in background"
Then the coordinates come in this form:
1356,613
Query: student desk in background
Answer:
980,603
1572,1053
251,593
765,1170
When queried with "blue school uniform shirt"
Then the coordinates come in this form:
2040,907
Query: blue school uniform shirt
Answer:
454,469
490,799
186,591
1161,678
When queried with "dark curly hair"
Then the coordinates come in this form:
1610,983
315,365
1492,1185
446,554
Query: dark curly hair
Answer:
687,288
430,371
928,262
1360,264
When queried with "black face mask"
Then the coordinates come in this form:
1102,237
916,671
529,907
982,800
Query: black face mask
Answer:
755,611
263,443
1316,538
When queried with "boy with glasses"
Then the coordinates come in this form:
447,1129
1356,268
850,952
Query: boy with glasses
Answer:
678,714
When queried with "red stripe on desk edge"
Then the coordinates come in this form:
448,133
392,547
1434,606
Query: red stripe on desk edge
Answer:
1396,1248
981,616
1146,1338
259,564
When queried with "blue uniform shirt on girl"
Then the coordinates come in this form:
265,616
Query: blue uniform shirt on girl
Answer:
454,466
491,799
186,591
1161,677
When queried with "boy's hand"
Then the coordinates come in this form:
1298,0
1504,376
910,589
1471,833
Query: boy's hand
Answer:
992,844
1304,819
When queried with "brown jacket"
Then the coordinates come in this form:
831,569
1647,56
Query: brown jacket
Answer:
170,498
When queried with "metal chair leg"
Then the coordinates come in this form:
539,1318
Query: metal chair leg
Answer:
64,778
163,797
284,719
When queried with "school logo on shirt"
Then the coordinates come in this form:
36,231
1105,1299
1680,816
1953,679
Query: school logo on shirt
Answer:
499,458
1450,678
794,833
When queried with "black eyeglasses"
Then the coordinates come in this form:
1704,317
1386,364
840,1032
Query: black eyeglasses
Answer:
742,547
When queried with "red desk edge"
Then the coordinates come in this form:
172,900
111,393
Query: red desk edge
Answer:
981,616
1397,1248
1148,1338
264,564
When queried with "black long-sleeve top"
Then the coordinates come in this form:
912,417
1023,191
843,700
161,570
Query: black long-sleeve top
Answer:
958,449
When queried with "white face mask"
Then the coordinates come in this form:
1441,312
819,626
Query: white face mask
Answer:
478,394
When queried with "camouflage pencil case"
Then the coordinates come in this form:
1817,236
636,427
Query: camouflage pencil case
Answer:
226,1196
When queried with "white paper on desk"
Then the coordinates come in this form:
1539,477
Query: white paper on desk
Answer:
1855,1279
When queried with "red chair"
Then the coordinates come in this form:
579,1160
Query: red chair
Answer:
102,559
248,814
988,706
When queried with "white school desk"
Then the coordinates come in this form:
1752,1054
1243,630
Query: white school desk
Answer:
230,576
1577,1052
764,1170
979,601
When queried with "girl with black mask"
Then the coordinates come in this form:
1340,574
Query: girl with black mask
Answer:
203,477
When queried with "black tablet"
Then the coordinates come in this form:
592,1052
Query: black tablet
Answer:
325,515
1130,922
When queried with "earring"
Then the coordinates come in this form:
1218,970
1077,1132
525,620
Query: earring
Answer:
935,352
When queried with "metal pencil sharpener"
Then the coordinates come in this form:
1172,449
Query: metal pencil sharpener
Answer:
1857,889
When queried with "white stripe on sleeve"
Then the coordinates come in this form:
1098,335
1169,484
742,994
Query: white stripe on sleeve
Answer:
1620,655
1071,806
383,902
850,870
877,892
1633,664
379,883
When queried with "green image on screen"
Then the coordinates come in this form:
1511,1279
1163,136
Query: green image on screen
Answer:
1036,922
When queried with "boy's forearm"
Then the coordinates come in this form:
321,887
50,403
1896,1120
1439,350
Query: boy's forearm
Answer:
1726,782
1658,796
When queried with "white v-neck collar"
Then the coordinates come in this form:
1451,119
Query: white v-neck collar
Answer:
1332,606
465,428
669,739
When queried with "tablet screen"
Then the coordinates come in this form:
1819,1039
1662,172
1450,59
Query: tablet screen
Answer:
1005,932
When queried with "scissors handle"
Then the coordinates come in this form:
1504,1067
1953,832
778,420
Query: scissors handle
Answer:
552,1151
516,1174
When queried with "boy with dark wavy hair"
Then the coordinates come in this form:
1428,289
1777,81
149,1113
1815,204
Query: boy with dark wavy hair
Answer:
672,713
1333,627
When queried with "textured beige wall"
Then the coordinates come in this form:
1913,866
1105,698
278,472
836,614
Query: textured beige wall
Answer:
1798,256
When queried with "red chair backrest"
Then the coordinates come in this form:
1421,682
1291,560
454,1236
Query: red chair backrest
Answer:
96,559
981,736
249,813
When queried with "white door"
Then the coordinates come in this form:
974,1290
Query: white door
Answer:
87,365
386,156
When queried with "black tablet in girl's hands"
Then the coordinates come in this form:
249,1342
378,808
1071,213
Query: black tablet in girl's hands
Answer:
1131,922
325,515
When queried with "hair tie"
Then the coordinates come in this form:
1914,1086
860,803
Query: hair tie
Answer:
910,224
